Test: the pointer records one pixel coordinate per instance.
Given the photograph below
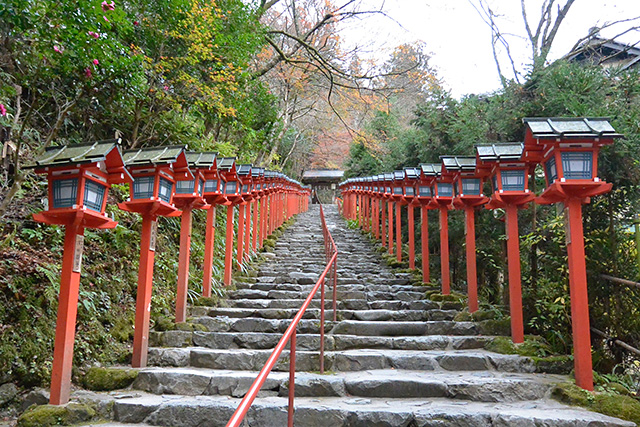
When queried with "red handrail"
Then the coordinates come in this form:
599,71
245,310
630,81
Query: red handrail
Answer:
331,252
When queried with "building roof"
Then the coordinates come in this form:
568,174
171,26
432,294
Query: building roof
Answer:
323,174
606,52
562,127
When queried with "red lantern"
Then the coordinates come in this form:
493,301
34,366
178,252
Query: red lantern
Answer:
79,178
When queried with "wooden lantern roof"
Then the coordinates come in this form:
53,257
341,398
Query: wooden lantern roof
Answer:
204,160
75,155
564,127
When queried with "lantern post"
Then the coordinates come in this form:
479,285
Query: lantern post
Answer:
258,194
213,194
397,196
411,176
155,171
442,200
188,196
231,190
509,169
569,149
424,196
246,183
388,191
468,182
376,195
79,178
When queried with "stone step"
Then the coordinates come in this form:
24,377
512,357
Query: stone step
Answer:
477,386
214,411
341,294
255,324
359,286
348,304
314,313
373,328
265,340
344,360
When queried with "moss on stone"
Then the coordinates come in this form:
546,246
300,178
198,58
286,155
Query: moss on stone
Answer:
451,305
51,415
553,364
107,379
207,301
122,329
480,315
164,324
463,316
502,345
495,326
607,403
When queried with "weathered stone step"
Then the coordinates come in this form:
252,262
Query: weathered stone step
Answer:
359,286
214,411
314,313
365,328
345,360
254,324
347,304
265,340
476,386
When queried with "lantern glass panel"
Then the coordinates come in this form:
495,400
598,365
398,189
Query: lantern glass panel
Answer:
185,187
388,190
425,191
166,188
577,165
551,170
471,186
409,191
397,191
200,187
65,192
94,195
245,188
494,182
512,180
231,187
445,189
211,186
143,187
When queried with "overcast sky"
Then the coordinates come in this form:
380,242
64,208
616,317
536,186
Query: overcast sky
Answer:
460,42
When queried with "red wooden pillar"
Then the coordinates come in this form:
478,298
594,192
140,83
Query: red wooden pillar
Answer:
256,210
425,243
472,276
247,233
390,215
209,240
412,245
444,250
376,218
367,203
579,297
183,264
513,261
228,250
263,219
383,224
240,240
67,313
143,299
398,232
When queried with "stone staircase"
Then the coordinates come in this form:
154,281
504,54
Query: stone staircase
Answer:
393,358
